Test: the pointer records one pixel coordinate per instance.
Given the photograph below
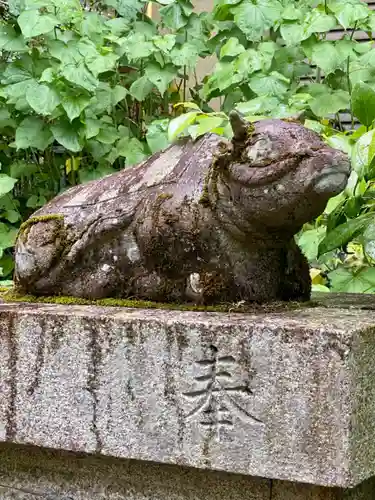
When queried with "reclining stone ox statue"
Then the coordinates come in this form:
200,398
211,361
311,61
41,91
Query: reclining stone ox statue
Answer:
203,221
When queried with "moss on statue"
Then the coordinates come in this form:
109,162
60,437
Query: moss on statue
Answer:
12,295
25,226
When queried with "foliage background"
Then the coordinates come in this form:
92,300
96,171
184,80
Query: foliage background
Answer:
88,89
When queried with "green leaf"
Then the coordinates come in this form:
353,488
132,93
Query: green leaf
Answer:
131,149
344,233
187,55
141,88
173,16
5,119
6,184
273,84
75,104
326,57
259,105
348,12
117,94
254,19
11,215
165,43
127,9
318,22
32,132
107,135
292,13
101,64
92,127
160,77
180,124
350,280
292,33
79,75
360,154
8,234
205,124
67,136
368,240
43,99
10,41
231,48
330,103
309,242
157,135
21,168
33,23
363,103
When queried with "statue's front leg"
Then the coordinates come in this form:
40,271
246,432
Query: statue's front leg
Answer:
296,281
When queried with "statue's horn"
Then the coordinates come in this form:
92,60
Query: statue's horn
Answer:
239,125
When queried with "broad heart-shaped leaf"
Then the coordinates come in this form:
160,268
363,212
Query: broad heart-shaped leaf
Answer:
10,41
309,242
160,77
141,88
127,9
344,233
360,154
67,136
165,43
348,12
318,22
107,135
157,135
75,104
186,55
368,240
180,124
8,234
204,124
258,106
101,64
231,48
255,18
79,75
92,127
132,149
43,99
273,84
330,103
363,103
326,56
349,280
292,33
33,23
6,184
33,133
173,16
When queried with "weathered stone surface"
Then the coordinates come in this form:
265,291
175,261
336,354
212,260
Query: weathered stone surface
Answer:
281,395
209,221
27,473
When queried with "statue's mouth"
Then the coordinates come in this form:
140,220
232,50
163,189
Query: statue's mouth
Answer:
333,178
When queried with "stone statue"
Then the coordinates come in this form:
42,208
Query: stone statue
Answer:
204,222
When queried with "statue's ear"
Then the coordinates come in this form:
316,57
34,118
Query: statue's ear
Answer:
239,125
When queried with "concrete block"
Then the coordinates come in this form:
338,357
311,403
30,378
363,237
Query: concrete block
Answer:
285,395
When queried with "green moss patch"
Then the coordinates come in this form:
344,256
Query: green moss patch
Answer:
14,296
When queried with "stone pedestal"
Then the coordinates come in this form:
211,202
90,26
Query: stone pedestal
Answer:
266,406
